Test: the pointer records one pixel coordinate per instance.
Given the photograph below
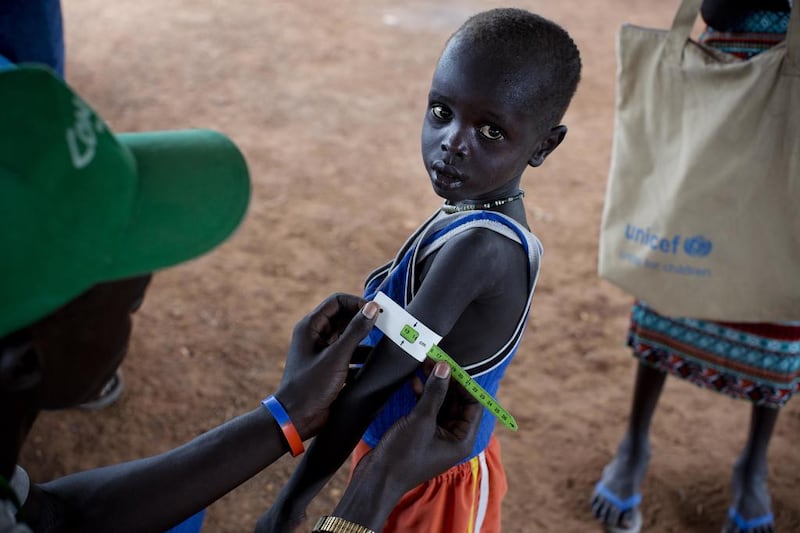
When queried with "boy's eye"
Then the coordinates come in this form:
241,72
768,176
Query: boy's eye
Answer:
490,132
441,112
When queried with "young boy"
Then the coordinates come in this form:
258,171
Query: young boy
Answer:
92,214
499,91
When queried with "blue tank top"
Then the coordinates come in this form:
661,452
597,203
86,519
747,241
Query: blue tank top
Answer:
397,280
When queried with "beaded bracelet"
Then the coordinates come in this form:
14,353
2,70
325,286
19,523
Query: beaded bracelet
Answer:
282,418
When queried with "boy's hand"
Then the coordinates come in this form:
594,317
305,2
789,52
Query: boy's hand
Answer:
319,353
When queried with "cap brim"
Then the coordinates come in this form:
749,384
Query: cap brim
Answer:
193,192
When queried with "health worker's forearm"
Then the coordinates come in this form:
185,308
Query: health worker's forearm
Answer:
159,492
351,414
368,500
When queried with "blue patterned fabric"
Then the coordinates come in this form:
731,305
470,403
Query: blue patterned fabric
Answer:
763,22
758,31
757,362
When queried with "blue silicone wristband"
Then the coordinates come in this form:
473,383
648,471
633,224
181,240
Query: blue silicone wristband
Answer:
282,418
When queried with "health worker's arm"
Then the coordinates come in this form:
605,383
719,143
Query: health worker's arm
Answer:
159,492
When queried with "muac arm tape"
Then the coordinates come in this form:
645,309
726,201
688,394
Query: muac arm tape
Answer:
419,341
405,331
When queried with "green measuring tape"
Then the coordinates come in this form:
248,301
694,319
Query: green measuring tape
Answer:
479,393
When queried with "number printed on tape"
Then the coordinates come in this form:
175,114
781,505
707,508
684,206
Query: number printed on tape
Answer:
478,392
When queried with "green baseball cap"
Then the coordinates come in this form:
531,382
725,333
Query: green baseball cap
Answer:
80,205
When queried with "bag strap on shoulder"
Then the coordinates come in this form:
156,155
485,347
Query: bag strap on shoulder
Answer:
681,29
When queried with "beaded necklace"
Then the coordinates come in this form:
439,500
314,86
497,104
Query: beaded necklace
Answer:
449,208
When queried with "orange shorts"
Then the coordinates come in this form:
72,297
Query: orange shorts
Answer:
465,499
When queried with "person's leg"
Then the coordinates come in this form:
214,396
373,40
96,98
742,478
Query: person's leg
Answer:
750,508
615,500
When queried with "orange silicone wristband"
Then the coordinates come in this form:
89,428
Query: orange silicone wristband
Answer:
282,418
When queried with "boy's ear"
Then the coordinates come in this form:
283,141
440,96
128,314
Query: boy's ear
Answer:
20,369
548,144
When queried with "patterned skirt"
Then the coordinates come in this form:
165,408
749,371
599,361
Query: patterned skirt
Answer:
757,362
759,31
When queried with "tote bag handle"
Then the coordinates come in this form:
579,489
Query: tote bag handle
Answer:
684,21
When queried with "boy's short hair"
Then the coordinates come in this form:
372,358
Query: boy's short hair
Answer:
522,39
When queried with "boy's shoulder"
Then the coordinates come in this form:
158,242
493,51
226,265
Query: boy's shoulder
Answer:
482,236
485,248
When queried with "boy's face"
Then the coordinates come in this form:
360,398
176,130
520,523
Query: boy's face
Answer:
479,133
81,345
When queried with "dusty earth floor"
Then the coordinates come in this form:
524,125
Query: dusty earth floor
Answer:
326,99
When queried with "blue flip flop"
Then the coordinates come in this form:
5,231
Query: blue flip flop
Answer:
622,506
745,525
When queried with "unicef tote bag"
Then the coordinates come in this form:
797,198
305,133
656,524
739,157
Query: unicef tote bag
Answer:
702,210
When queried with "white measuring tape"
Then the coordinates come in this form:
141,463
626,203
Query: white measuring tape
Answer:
419,341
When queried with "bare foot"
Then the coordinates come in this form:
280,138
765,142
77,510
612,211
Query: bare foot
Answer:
616,498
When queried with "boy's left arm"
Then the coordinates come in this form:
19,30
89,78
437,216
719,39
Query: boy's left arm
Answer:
476,266
464,269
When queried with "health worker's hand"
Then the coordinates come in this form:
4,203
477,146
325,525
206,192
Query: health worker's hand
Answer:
438,433
316,366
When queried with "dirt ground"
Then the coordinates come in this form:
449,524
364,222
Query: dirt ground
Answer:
326,100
